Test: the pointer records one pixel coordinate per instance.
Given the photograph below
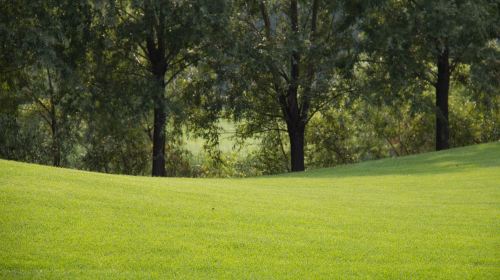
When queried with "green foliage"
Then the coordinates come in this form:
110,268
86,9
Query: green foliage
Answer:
474,120
123,151
22,139
79,84
404,39
258,61
363,131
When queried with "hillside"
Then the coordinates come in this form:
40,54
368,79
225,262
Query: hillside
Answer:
434,215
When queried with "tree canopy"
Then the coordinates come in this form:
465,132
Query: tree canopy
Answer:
127,86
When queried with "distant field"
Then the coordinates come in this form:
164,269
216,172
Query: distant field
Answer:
226,144
435,215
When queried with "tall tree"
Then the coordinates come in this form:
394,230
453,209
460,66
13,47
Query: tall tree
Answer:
290,57
53,36
162,38
428,41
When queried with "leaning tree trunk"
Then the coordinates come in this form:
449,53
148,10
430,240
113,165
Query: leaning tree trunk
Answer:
160,117
442,91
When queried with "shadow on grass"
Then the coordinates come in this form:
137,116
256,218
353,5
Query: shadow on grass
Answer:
453,160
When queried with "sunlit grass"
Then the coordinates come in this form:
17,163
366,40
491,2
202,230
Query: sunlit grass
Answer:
228,142
435,215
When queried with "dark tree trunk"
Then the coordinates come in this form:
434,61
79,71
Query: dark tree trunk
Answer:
159,142
295,112
160,117
54,129
442,91
296,136
56,147
156,52
295,125
295,128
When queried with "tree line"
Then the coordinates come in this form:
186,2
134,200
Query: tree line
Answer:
119,85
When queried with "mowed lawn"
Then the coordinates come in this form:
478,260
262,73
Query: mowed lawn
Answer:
430,216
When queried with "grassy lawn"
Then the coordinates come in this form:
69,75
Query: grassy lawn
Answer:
429,216
226,142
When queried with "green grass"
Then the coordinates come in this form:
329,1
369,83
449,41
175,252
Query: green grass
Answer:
434,215
227,141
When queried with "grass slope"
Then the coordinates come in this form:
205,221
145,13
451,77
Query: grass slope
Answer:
434,215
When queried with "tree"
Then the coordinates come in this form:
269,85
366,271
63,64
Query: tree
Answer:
287,63
53,36
428,42
162,38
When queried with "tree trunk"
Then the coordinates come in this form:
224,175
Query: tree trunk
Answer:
54,129
296,135
56,147
156,53
442,91
295,125
160,117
